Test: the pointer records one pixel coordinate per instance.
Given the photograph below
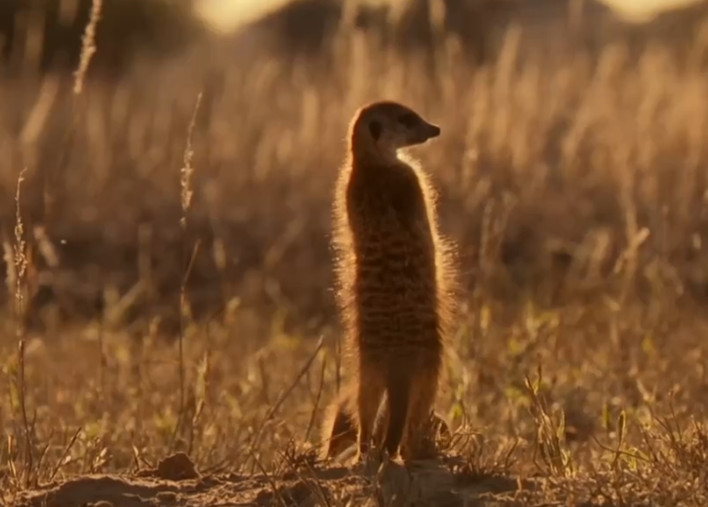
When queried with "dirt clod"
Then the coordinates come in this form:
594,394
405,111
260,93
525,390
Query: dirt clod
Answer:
176,468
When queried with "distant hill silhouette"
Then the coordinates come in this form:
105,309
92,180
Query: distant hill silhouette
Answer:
129,28
308,26
678,26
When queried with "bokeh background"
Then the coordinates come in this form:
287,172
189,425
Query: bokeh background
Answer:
535,126
572,176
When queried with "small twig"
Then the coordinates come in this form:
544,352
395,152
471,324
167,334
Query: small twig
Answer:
319,490
41,455
268,478
316,405
64,454
619,451
138,458
102,358
190,266
218,467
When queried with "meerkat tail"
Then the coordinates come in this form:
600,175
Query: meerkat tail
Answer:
339,428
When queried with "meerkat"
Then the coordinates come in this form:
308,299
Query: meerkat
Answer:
393,283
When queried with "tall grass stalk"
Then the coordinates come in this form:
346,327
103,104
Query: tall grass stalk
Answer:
88,46
20,272
186,193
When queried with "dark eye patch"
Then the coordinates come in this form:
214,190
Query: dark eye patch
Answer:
408,120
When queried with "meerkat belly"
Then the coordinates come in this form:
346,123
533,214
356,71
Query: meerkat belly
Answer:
396,297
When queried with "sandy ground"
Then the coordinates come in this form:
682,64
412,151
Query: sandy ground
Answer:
177,482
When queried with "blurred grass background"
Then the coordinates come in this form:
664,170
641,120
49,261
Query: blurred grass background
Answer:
575,131
571,171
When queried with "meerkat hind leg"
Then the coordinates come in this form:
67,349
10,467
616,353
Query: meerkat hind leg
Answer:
398,400
419,440
340,429
368,400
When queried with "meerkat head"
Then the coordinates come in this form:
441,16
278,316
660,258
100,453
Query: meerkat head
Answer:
382,128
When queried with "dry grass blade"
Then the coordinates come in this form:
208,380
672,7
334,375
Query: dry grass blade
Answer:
188,167
186,197
284,396
67,449
271,481
88,46
316,404
550,432
20,271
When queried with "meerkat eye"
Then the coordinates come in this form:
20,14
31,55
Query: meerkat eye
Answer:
375,128
408,120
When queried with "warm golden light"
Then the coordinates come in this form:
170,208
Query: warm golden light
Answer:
642,10
226,15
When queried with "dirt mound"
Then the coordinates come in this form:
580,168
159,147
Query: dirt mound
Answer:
176,482
174,468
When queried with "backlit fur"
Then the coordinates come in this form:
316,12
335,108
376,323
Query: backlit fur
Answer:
394,285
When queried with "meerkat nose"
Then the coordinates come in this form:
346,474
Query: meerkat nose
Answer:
433,130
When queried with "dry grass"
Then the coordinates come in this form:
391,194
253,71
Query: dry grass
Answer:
88,46
575,190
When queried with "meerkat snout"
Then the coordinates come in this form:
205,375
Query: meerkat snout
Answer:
432,130
422,133
417,129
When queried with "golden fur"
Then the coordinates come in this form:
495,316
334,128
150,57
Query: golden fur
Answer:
394,284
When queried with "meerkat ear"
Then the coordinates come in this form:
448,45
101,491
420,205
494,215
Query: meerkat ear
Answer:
375,128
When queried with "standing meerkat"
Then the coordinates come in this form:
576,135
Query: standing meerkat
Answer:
394,291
